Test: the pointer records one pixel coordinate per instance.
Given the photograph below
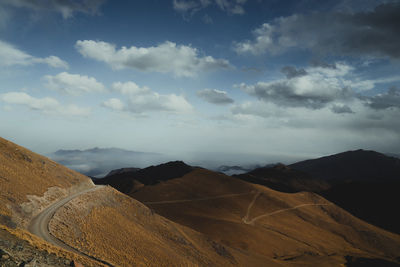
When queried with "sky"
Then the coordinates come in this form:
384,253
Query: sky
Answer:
230,81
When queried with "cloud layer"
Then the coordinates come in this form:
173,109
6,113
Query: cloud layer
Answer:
73,84
140,100
168,57
372,33
46,105
11,56
215,96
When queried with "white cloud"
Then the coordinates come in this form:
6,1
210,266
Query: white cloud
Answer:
259,108
73,84
262,43
114,103
52,61
215,96
11,56
168,57
314,89
140,100
46,105
322,85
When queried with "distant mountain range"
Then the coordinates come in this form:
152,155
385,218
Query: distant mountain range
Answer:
97,162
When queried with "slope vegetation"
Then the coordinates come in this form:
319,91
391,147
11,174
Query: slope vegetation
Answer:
120,230
97,227
300,228
29,182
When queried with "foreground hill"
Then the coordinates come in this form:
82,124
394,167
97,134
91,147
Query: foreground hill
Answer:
302,228
29,182
97,226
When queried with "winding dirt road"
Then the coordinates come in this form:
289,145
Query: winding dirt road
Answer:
197,199
252,221
39,225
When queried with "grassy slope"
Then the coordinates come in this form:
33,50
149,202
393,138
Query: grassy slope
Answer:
24,173
312,234
121,230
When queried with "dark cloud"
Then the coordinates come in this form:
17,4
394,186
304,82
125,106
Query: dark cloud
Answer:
390,99
191,7
340,109
292,72
322,64
372,33
65,7
215,96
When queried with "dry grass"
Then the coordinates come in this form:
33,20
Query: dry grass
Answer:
42,245
25,177
308,235
113,227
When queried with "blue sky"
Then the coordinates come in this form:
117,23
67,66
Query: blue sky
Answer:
234,81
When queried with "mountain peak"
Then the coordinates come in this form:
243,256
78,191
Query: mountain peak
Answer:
358,164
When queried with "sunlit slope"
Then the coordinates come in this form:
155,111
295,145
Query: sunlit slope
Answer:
29,182
293,228
120,230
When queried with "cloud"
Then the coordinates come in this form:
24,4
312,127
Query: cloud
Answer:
168,57
292,72
52,61
139,100
215,96
259,108
114,104
373,33
234,7
389,99
46,105
341,108
65,8
73,84
313,89
11,56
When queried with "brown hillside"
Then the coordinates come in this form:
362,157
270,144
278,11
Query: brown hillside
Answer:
227,210
29,182
120,230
